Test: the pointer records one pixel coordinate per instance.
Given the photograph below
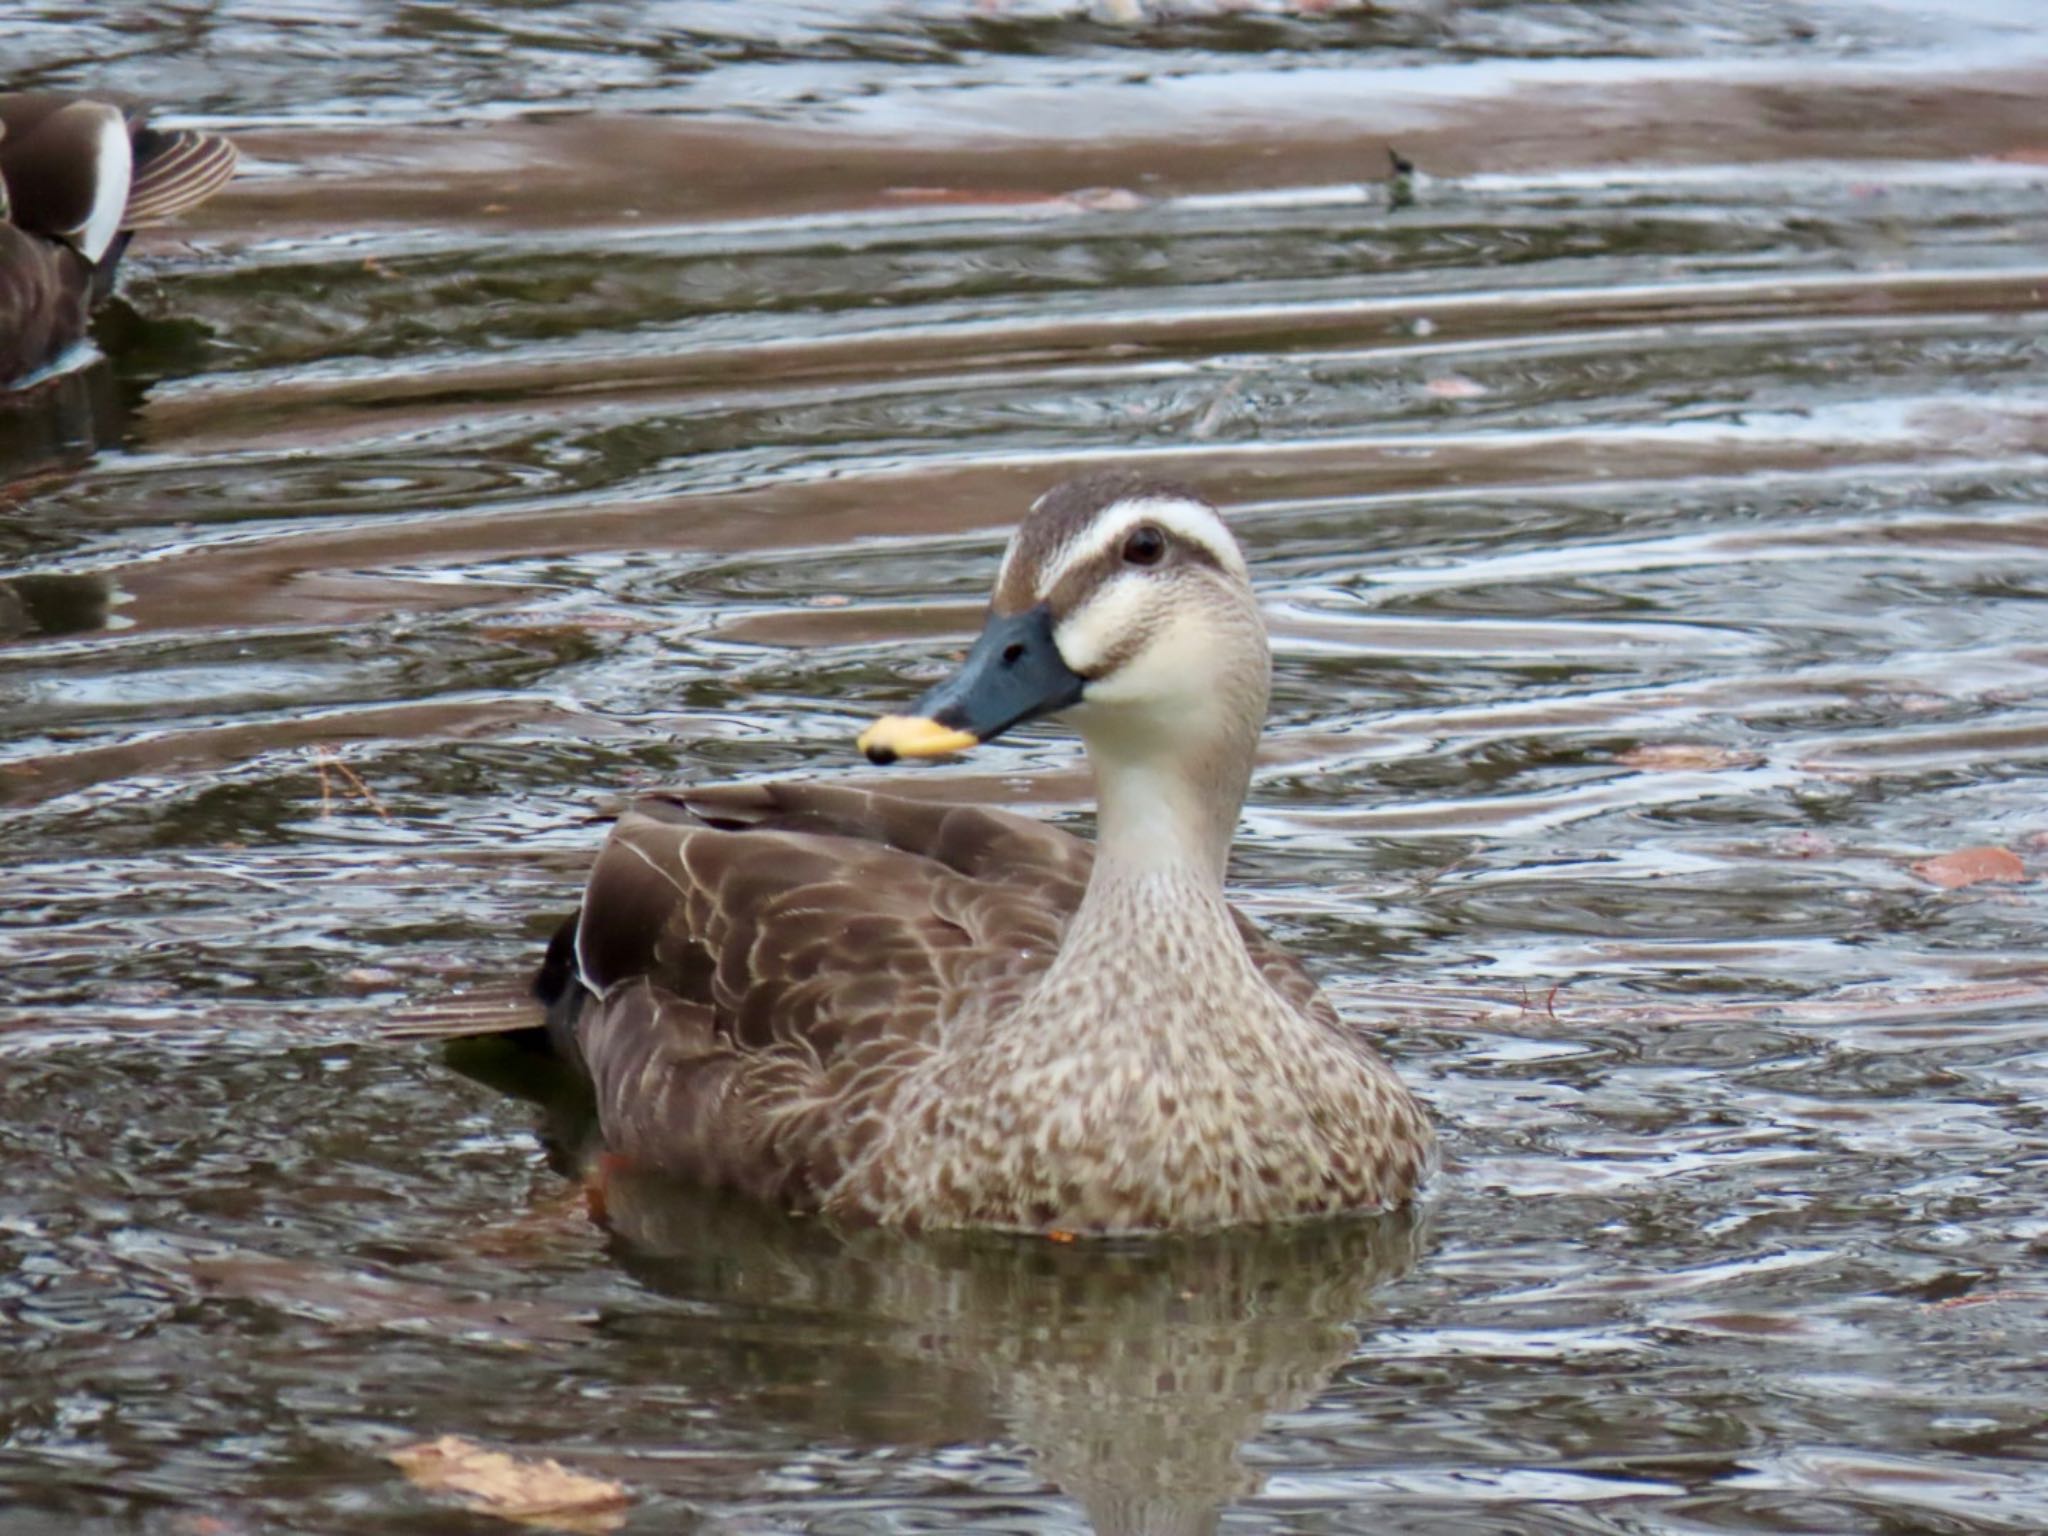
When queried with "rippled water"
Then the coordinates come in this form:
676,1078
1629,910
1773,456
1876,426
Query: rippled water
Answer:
1652,514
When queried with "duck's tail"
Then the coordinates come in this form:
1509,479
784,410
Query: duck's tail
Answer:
175,169
507,1012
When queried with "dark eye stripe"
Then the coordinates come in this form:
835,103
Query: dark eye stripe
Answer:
1107,564
1043,540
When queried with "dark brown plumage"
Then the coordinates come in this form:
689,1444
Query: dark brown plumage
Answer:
77,178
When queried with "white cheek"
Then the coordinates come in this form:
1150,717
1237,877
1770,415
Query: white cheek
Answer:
1175,669
1088,636
1152,677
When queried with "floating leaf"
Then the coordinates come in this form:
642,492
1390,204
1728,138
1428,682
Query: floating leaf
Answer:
543,1493
1683,757
1454,386
1971,866
1106,199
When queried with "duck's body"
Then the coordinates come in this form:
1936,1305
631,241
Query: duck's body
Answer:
77,178
926,1015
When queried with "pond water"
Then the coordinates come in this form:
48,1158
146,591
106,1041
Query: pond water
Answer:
1650,502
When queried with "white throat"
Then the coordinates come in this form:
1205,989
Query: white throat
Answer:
1150,818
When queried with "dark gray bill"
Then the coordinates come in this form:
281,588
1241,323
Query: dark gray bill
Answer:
1014,673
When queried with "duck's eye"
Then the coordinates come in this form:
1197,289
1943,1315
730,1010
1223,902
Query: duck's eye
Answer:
1145,545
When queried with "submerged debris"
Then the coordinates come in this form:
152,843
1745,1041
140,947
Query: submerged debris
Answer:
1683,757
540,1493
1400,179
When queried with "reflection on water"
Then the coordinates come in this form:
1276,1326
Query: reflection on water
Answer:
1652,515
59,425
1131,1372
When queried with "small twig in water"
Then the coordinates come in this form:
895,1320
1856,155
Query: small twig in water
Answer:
324,759
1426,881
1210,422
1981,1297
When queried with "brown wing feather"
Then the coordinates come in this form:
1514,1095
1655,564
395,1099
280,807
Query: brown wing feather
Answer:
769,959
983,844
51,159
49,154
971,840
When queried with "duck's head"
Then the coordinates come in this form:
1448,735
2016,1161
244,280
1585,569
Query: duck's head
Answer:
1124,601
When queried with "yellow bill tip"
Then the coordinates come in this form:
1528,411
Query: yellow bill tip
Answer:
895,736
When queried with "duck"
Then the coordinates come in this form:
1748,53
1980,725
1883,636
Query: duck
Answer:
888,1010
78,177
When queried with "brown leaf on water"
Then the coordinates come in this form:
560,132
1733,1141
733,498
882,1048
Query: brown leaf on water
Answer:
1683,757
1106,199
1971,866
1454,386
542,1493
1982,1298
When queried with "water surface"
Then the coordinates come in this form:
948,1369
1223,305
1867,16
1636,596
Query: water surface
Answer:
1652,516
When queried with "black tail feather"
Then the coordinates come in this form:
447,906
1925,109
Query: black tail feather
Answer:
559,989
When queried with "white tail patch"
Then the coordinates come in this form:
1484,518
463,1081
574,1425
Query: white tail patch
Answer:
113,166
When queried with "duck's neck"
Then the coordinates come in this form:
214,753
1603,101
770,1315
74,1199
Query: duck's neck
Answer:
1161,814
1155,826
1163,832
1152,958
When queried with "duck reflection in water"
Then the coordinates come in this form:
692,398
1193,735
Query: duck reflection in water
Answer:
1132,1370
62,422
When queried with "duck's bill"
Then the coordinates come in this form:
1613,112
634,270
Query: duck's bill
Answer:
895,736
1014,673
